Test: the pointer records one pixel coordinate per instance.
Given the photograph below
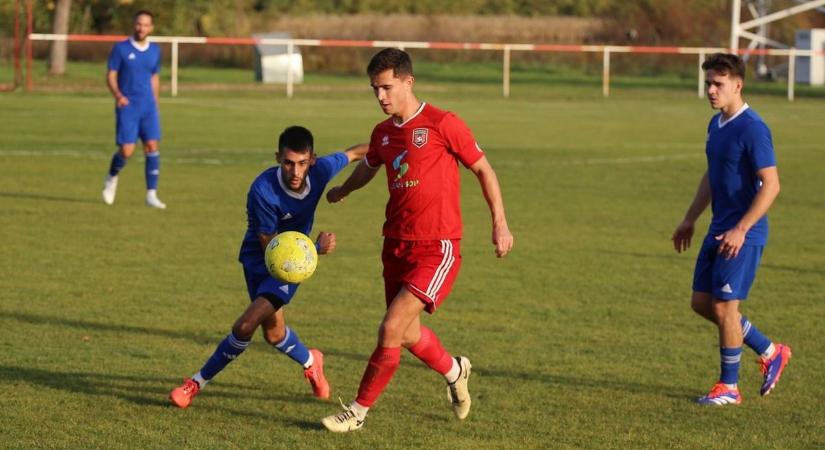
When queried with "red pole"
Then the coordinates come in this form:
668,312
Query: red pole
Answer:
18,74
29,31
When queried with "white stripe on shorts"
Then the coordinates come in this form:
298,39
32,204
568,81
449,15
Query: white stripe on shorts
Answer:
443,269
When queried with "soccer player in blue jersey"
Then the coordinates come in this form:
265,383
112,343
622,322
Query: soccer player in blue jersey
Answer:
282,198
740,184
133,80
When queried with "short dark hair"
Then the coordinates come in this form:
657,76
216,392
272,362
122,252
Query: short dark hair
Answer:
725,63
144,12
390,58
296,138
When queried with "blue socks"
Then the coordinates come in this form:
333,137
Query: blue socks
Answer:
152,167
730,364
118,161
229,349
152,170
754,338
293,347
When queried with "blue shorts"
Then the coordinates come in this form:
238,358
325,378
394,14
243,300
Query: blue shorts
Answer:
139,118
260,283
726,279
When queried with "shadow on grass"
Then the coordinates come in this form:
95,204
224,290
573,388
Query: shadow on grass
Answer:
36,319
613,383
47,197
142,390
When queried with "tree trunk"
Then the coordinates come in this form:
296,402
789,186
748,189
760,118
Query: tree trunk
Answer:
57,57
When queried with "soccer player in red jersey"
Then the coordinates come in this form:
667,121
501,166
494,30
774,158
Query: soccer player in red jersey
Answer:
420,147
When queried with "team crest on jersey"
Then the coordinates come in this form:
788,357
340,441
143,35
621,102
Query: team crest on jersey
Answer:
419,138
385,141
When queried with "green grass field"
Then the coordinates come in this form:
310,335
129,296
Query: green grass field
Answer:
581,338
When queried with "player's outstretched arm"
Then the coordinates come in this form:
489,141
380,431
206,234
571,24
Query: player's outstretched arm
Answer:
684,231
359,178
502,238
356,152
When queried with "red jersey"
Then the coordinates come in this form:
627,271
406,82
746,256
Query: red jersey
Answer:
421,157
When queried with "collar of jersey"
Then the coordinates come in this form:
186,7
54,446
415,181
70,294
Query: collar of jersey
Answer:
138,47
741,110
417,112
299,195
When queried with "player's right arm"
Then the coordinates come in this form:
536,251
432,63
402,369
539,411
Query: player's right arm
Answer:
356,152
684,232
111,82
359,178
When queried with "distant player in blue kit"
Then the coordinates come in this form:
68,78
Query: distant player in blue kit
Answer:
282,198
740,184
133,80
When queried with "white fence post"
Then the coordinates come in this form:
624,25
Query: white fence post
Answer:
174,68
606,72
290,49
701,89
506,78
791,73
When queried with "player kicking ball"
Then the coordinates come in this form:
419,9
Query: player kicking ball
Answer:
282,198
420,147
740,184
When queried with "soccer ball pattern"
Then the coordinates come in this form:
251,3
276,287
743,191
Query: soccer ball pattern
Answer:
291,257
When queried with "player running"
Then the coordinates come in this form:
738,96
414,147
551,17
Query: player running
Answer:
134,82
282,198
740,184
420,147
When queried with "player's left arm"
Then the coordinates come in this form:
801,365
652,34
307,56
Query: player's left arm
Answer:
502,238
731,241
156,88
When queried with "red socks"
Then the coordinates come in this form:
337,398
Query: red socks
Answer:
429,350
382,365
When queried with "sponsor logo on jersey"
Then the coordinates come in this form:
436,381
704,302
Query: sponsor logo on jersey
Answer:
419,138
727,289
402,168
385,141
132,55
286,216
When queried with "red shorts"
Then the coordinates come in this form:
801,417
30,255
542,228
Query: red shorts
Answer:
427,268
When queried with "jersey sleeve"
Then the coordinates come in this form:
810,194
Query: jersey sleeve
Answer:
261,215
331,165
759,146
115,59
460,140
373,157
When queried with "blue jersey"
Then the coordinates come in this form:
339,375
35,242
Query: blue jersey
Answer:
135,68
736,150
271,207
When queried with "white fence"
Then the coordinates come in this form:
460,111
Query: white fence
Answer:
506,49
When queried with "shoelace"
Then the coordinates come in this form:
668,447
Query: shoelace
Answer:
346,414
189,388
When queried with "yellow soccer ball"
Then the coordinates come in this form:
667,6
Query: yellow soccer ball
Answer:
291,257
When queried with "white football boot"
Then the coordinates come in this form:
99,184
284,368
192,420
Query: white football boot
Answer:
457,391
343,422
153,201
109,189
